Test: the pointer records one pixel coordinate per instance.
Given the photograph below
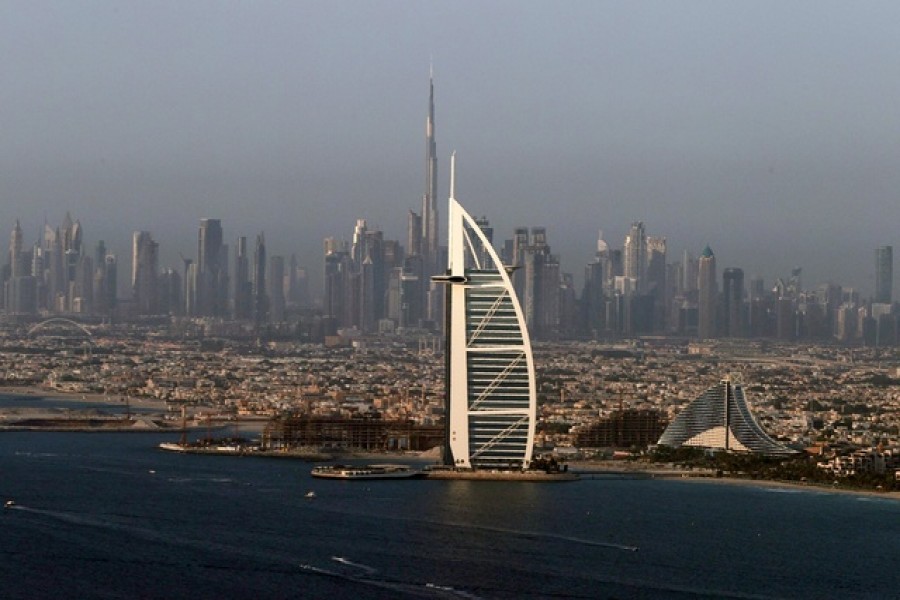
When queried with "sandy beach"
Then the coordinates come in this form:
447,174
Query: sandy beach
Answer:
795,486
708,476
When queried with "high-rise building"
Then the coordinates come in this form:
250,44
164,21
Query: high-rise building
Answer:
733,302
655,286
144,268
517,259
275,289
884,274
300,296
337,281
111,276
211,269
709,293
260,298
16,266
593,300
104,282
430,198
170,292
54,267
690,273
243,288
597,287
635,251
491,394
541,289
14,269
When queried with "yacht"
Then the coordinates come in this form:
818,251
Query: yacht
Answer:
366,472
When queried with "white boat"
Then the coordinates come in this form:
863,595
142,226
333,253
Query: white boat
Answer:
9,504
310,494
366,472
172,447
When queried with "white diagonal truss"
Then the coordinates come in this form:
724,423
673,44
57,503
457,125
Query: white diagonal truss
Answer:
486,319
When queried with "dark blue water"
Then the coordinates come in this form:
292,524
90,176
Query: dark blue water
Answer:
109,516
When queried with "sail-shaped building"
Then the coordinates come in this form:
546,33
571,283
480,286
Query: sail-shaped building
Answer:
491,399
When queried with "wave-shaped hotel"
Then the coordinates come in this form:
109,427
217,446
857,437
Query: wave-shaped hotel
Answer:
721,420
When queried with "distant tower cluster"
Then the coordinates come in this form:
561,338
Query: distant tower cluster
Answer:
625,290
374,283
56,275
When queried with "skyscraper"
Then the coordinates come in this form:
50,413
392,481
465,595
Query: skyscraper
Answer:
211,272
243,289
733,307
429,199
541,289
54,268
16,266
636,255
706,325
491,393
275,289
884,274
260,298
656,285
144,266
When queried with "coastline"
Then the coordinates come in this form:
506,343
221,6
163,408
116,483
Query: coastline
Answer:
798,486
37,392
578,467
708,476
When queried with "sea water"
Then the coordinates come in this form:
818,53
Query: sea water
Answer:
111,516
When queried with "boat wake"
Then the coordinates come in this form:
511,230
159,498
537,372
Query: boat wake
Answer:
420,590
35,454
364,568
452,591
539,535
261,560
523,533
583,542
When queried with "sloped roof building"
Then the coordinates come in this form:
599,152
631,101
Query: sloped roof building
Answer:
720,419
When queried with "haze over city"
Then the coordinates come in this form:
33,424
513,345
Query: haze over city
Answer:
768,131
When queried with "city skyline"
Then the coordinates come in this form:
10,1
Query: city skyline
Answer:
764,131
375,286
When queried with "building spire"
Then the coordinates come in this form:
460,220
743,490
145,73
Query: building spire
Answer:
429,198
453,175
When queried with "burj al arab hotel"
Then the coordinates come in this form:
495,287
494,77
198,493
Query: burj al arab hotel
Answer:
491,399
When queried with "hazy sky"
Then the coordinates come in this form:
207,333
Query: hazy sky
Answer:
770,130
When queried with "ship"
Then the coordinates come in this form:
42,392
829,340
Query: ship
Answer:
366,472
